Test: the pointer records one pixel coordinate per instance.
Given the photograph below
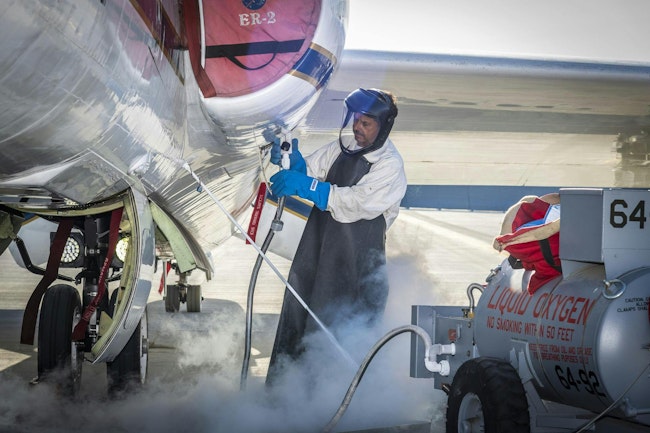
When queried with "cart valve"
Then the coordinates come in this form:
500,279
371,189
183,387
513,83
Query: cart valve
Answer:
430,358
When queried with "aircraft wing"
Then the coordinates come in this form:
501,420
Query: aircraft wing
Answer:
479,133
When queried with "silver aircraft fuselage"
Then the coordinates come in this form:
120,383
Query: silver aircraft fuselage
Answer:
99,96
99,101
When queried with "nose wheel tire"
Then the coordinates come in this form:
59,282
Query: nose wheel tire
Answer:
487,396
129,369
60,359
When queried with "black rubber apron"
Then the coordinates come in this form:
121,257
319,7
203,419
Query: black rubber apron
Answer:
338,269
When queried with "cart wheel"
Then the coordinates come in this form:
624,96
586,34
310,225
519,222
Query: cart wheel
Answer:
487,396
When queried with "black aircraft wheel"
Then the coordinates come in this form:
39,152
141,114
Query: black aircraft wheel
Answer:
59,358
487,396
173,299
193,299
112,303
129,369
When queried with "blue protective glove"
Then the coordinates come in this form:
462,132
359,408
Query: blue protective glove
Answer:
295,158
290,182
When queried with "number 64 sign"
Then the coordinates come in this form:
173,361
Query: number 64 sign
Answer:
626,229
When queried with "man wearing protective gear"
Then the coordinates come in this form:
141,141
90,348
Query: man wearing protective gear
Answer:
356,183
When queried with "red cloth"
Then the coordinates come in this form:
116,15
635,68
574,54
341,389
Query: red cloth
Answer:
530,252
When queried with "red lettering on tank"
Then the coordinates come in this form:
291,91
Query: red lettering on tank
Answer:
539,305
504,299
491,305
546,313
586,309
523,306
559,301
566,308
554,302
512,303
574,309
548,306
563,308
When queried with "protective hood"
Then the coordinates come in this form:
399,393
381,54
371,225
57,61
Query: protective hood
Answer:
373,103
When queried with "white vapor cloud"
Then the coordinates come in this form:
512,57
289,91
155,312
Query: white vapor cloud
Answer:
199,390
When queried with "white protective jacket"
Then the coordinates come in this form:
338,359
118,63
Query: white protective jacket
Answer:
378,192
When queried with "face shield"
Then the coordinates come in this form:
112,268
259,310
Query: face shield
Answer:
368,118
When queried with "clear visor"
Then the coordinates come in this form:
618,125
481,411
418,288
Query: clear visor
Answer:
358,131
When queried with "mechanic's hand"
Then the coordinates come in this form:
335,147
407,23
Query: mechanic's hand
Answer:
290,182
297,162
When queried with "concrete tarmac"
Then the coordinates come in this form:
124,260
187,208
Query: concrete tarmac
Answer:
195,358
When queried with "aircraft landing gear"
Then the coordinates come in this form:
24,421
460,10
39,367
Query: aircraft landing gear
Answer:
59,358
129,369
183,293
172,299
117,244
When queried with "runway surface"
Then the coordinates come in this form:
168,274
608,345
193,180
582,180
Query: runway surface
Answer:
195,358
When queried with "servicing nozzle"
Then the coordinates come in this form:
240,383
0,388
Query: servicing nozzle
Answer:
285,150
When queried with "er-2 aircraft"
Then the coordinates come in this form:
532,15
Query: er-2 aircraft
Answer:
116,116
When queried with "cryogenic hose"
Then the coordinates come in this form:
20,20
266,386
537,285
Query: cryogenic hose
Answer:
442,367
276,225
202,187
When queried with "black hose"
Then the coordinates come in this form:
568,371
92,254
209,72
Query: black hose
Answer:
276,225
364,365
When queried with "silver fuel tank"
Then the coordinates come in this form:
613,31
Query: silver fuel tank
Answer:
585,336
